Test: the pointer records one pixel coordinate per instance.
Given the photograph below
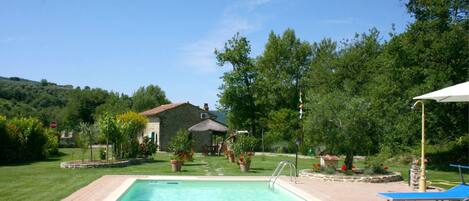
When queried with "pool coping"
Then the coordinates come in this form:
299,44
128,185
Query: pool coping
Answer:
282,182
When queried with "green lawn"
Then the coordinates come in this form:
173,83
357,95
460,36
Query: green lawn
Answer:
45,180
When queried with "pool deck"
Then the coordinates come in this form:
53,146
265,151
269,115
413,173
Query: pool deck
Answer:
110,187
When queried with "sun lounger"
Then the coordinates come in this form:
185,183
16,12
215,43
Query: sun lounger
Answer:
459,192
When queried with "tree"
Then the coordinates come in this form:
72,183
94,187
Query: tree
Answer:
131,125
340,123
114,105
87,136
148,97
282,126
108,128
282,70
237,90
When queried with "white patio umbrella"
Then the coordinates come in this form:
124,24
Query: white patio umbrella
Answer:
456,93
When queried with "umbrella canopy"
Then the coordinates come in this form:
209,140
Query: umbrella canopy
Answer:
209,125
456,93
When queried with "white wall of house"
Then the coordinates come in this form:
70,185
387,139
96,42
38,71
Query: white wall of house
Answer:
153,126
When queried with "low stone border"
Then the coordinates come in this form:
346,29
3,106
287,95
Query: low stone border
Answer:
395,176
101,164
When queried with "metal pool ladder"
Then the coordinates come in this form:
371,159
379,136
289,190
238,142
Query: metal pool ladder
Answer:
279,170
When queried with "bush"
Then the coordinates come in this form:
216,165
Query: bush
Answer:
244,144
102,154
52,142
375,165
147,148
440,156
23,139
329,170
181,144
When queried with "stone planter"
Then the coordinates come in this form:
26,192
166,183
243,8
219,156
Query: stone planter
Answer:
329,161
101,163
392,177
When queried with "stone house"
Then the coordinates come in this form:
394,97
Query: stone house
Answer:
166,120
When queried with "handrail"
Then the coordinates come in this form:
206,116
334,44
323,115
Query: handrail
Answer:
460,171
278,170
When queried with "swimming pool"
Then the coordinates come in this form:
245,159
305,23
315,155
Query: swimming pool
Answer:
167,190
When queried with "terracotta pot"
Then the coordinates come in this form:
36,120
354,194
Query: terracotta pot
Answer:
175,165
244,166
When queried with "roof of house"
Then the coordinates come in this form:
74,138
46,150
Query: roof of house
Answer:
209,125
161,109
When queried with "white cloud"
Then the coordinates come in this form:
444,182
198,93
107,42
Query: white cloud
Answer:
200,56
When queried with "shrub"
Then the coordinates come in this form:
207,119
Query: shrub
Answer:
52,142
102,154
181,144
244,144
439,156
375,165
316,167
25,140
147,148
329,170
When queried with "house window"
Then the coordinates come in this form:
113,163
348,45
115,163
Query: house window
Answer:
204,115
152,136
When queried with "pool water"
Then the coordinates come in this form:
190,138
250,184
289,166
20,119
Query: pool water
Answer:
158,190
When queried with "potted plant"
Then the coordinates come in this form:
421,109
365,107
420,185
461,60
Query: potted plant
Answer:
244,163
176,163
243,148
181,145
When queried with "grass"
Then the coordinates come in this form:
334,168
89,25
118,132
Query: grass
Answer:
45,180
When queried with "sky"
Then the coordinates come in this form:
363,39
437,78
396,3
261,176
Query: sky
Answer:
121,45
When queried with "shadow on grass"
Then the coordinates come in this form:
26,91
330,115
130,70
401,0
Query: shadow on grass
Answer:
259,169
194,164
21,163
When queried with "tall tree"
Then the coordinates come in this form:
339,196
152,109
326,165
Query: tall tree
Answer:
148,97
281,71
237,90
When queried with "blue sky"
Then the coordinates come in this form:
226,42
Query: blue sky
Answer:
122,45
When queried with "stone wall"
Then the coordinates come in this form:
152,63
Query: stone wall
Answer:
171,121
101,164
201,139
395,176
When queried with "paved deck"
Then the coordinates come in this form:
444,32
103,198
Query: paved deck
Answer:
109,187
329,191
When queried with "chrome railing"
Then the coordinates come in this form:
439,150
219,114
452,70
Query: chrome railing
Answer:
279,170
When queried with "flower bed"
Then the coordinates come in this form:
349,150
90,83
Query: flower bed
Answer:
101,164
392,177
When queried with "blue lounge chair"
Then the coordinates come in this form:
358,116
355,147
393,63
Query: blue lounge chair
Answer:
459,192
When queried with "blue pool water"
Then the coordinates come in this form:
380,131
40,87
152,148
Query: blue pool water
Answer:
158,190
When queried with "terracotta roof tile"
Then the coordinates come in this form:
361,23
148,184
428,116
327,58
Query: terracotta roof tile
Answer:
161,108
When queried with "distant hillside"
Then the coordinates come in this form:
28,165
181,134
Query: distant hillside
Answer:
22,97
221,116
68,106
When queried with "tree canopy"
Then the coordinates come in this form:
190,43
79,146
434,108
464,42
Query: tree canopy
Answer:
357,92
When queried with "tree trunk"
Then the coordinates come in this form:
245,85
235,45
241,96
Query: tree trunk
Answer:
349,161
107,149
91,152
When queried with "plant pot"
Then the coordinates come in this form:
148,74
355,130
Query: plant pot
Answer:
244,166
175,165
